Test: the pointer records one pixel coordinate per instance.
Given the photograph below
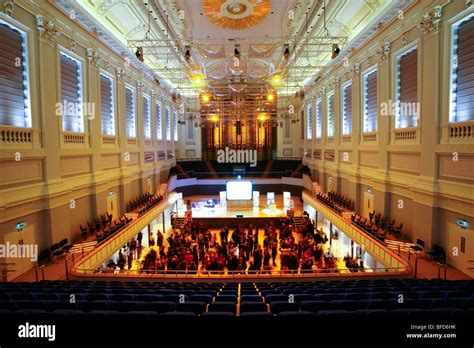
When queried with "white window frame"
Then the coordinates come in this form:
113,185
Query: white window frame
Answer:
309,121
113,95
159,130
80,61
328,133
147,134
343,113
24,31
364,76
397,56
168,123
320,129
175,125
453,66
127,131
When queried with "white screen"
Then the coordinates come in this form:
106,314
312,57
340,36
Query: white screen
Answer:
239,190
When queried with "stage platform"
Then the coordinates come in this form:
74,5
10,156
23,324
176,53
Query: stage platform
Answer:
238,213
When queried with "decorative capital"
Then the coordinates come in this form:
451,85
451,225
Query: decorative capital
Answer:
356,71
8,7
404,39
140,85
93,57
336,82
430,21
120,74
72,44
48,30
383,52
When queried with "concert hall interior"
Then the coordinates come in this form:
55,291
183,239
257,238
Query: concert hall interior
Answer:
308,161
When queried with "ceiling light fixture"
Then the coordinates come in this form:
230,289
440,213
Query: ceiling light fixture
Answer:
286,51
262,117
214,118
198,80
187,54
276,80
139,54
335,51
206,98
270,97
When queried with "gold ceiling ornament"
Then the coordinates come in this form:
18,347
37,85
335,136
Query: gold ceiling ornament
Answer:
236,14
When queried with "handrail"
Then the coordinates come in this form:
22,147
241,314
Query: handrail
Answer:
241,274
42,272
93,259
247,174
374,246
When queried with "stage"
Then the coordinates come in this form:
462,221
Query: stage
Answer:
237,212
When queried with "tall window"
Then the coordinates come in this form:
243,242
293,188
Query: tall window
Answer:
406,90
130,119
330,114
309,123
14,83
146,117
347,108
71,94
175,126
319,119
168,124
370,101
159,129
107,98
462,71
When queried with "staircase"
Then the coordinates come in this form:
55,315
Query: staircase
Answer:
211,169
179,223
298,222
297,170
182,171
267,169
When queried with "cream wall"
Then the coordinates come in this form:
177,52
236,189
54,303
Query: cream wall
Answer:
56,168
413,164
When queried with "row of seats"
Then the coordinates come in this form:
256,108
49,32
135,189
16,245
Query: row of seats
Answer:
345,298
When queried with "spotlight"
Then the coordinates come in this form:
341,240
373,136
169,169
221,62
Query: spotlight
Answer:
139,54
187,54
286,51
270,97
198,80
276,80
214,118
335,51
205,98
237,51
262,117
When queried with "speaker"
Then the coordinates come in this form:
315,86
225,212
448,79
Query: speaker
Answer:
239,215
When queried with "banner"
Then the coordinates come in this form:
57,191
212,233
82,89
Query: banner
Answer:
256,199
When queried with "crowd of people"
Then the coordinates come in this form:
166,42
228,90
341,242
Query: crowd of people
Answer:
241,250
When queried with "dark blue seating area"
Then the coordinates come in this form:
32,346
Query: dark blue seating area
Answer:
339,299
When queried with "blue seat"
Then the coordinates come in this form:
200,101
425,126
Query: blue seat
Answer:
382,295
96,297
121,297
449,303
201,298
329,297
335,314
315,306
272,298
251,298
46,297
88,306
225,298
147,297
292,291
357,296
191,306
218,315
177,315
176,298
297,315
257,315
127,306
297,298
433,294
161,306
282,306
222,307
383,304
18,296
253,307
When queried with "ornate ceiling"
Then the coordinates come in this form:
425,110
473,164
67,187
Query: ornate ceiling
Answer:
212,30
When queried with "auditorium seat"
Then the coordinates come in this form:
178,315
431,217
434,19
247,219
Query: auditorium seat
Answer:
280,306
222,307
191,306
253,307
